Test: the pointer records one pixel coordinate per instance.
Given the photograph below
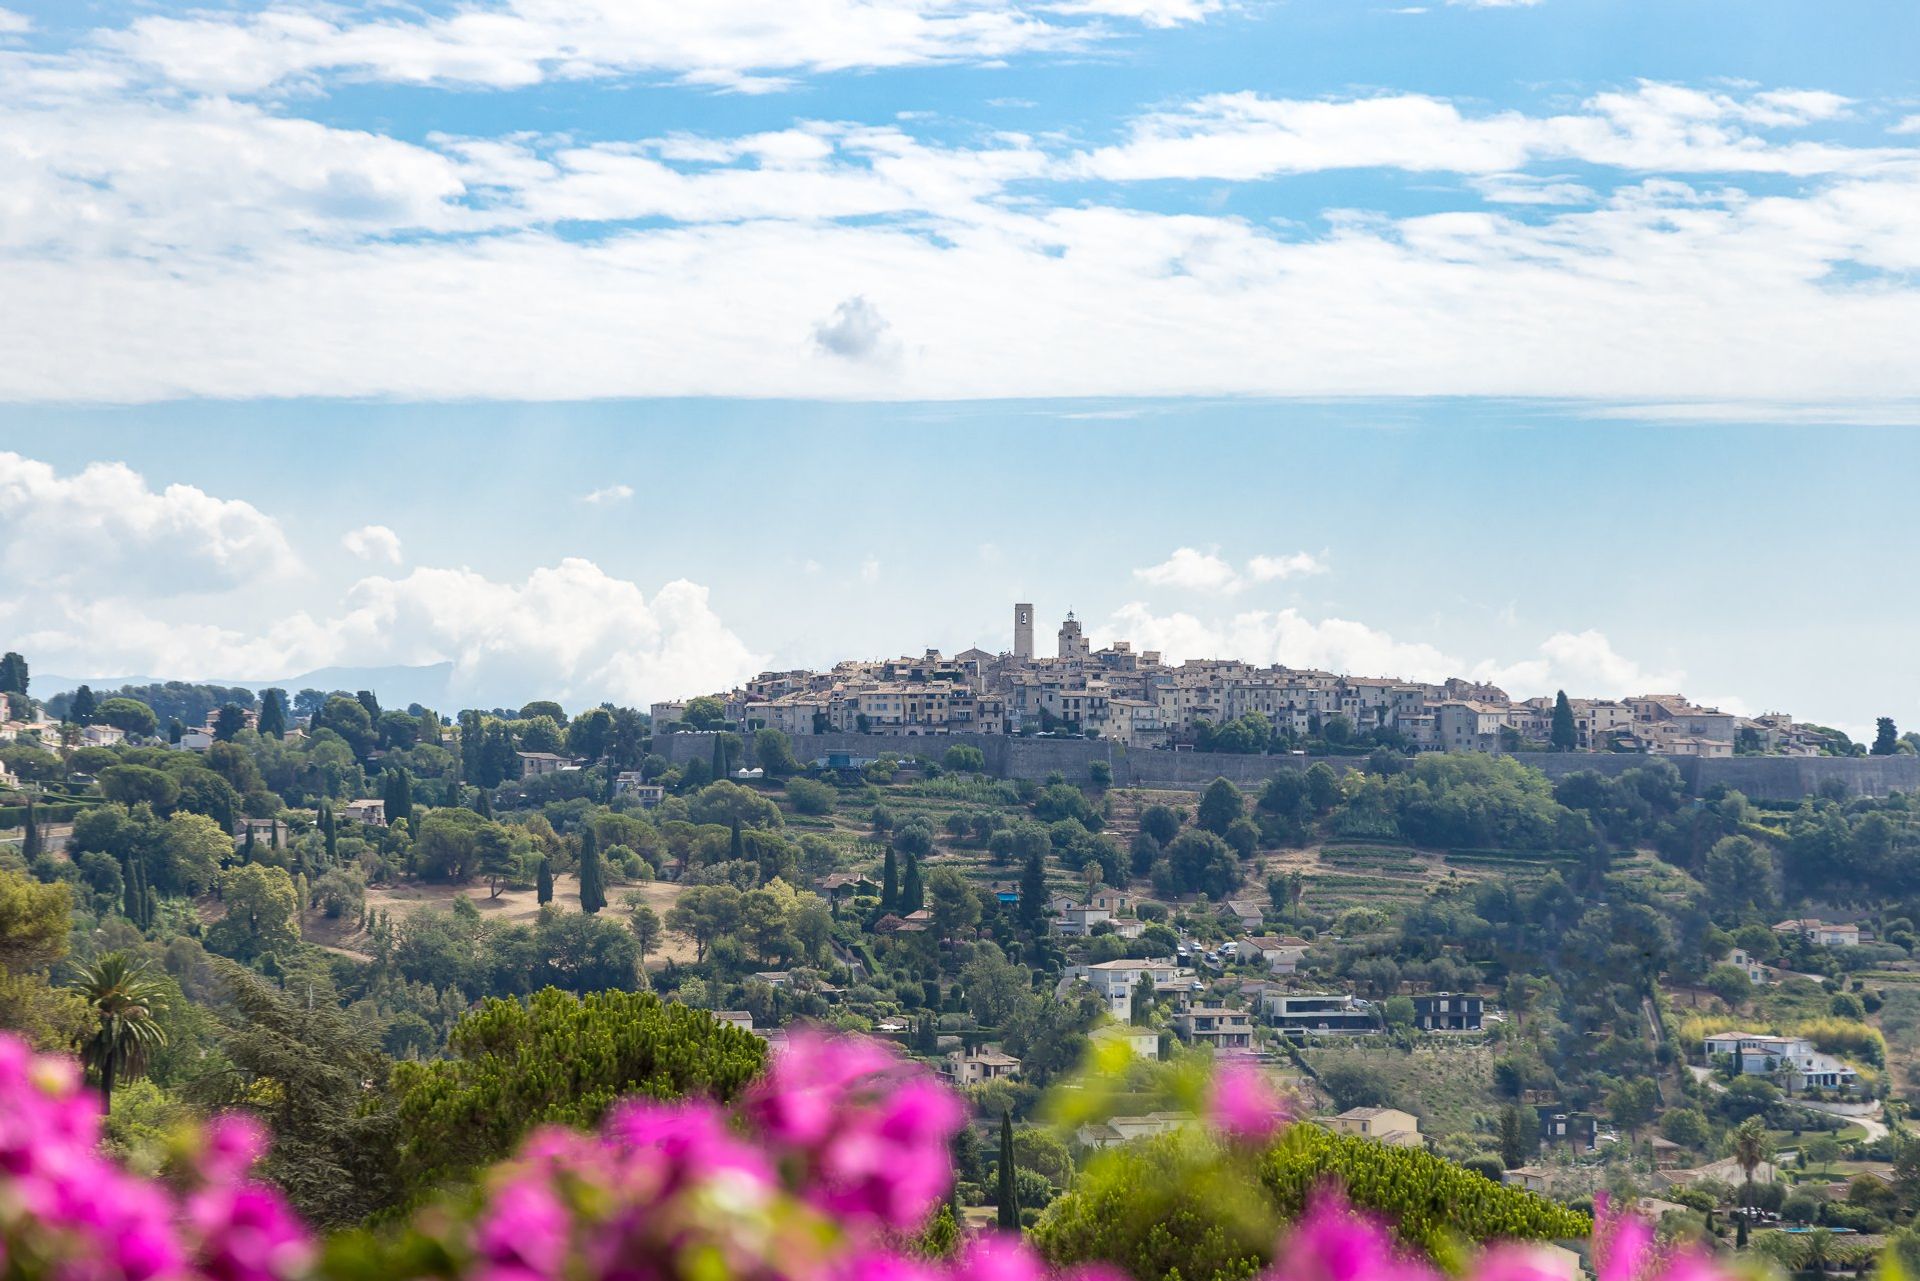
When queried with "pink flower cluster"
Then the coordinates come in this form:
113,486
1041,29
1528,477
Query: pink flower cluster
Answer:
68,1212
1334,1242
822,1173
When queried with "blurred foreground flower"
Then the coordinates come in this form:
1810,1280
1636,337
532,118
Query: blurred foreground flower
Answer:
823,1173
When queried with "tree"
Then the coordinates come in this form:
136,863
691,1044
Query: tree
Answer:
556,1060
1750,1146
13,674
129,716
35,921
273,714
1886,739
543,882
645,924
82,706
30,848
1731,984
1008,1199
132,785
913,895
889,881
1202,863
309,1070
590,733
961,759
1033,893
396,789
1220,804
231,719
122,999
704,713
349,719
1161,822
263,913
1632,1103
773,752
1562,734
1519,1135
593,887
1688,1127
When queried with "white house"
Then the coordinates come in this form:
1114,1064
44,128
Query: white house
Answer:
1761,1054
1124,1129
1825,933
981,1063
1143,1042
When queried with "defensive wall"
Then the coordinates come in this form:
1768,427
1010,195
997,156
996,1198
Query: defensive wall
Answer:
1762,778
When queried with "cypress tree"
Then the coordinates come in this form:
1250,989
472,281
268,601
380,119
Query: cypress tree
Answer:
912,897
736,848
719,759
246,847
889,883
1033,893
543,885
273,714
1562,732
327,826
1009,1220
486,805
400,806
593,891
273,835
454,793
30,849
149,904
130,900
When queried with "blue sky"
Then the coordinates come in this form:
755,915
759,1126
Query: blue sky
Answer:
1561,342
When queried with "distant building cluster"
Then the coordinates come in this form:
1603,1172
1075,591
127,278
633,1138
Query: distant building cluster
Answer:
1133,697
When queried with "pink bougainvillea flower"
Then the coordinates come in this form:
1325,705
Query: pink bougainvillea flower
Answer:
1333,1242
1242,1106
232,1145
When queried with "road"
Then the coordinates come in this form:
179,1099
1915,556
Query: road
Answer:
1876,1129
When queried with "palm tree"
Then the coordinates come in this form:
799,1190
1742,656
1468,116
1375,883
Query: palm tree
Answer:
1817,1250
122,998
1751,1146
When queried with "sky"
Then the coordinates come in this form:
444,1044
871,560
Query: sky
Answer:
619,348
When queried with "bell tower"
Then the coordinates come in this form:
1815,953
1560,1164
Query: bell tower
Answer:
1023,632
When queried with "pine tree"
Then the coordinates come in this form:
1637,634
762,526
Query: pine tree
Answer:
1033,893
889,883
912,896
1886,737
1009,1199
30,848
593,890
1563,733
543,883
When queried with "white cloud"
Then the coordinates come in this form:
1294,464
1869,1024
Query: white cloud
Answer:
1660,128
14,23
608,494
1284,636
1907,125
1584,664
1191,570
1264,569
373,542
568,631
870,570
106,527
745,45
1494,4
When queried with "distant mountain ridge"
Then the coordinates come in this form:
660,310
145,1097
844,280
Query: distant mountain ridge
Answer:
395,686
